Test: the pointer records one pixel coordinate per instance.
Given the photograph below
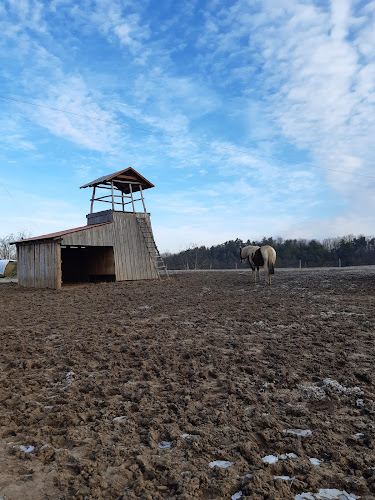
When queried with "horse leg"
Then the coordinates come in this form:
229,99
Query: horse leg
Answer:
268,276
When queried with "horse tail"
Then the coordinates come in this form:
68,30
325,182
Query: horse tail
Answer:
272,260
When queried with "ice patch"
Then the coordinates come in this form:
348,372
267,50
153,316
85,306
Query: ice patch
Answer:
120,419
69,378
327,494
186,436
270,459
164,445
223,464
237,495
320,391
315,461
288,455
298,432
285,478
27,449
359,435
333,384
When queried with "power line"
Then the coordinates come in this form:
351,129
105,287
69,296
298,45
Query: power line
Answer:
210,144
7,191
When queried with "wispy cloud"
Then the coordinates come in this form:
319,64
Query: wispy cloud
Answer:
237,111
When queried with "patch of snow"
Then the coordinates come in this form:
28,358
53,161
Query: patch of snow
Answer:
48,407
120,419
320,392
69,377
285,478
144,307
315,461
288,455
270,459
298,432
359,435
237,495
164,445
186,436
333,384
223,464
327,494
360,403
27,449
258,323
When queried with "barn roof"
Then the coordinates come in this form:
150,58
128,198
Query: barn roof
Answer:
121,180
51,236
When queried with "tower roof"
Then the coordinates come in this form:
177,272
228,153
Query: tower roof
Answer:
121,181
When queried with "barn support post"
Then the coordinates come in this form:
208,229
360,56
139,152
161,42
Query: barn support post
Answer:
113,197
131,196
143,201
92,200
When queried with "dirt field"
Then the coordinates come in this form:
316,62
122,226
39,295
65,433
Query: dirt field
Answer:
205,386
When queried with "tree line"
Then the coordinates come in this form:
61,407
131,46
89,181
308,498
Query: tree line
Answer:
341,251
331,252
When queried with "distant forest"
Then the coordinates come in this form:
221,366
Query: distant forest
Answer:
331,252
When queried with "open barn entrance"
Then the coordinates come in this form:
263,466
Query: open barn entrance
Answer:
82,264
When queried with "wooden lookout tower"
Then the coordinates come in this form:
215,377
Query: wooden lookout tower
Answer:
117,244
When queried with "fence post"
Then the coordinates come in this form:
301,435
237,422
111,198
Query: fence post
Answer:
300,263
339,262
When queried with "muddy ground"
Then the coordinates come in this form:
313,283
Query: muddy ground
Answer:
205,386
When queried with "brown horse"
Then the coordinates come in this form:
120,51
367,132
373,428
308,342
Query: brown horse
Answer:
257,257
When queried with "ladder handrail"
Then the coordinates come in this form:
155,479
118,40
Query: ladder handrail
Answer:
150,244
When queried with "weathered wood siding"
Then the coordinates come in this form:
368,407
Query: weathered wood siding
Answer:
100,236
39,264
132,259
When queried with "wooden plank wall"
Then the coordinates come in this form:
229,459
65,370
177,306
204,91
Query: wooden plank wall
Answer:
39,264
132,259
100,236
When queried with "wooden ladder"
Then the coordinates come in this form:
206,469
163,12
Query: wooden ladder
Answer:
156,258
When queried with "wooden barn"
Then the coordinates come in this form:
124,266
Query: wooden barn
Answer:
116,244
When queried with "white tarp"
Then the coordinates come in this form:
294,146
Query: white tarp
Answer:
3,265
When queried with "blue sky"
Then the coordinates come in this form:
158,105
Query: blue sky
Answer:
252,118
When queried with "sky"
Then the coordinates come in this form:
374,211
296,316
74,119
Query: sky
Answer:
252,118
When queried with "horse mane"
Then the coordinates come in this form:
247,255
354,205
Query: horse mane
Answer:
246,251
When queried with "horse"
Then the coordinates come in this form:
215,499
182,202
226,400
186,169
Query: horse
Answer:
257,257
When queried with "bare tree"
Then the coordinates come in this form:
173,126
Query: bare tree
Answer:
8,251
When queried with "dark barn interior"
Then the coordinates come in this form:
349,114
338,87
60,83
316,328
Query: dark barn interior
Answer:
83,264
